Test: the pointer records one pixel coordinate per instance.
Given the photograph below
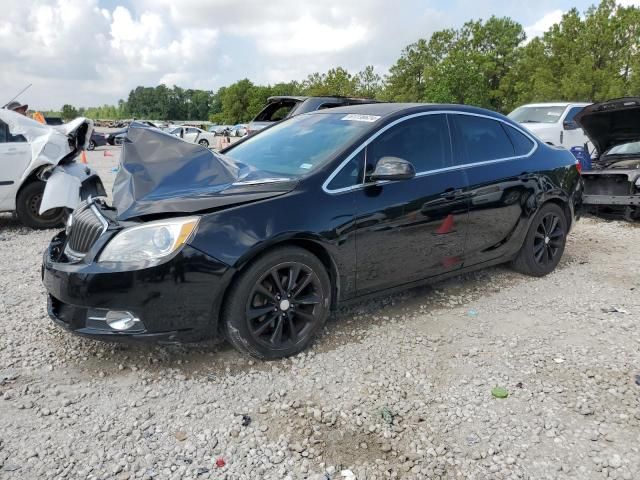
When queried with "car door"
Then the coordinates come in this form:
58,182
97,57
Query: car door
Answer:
15,157
190,134
492,154
412,229
572,135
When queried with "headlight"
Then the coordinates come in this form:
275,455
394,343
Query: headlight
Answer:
149,242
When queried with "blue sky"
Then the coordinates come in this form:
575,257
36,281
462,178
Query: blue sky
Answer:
91,52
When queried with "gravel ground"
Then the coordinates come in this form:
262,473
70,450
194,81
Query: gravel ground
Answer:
395,388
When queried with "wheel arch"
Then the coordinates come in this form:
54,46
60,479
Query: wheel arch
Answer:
564,205
311,245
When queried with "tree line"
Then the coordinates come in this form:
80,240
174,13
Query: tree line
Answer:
589,56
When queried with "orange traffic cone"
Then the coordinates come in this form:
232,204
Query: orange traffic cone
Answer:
83,157
446,226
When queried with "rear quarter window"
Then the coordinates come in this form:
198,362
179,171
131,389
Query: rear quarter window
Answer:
521,143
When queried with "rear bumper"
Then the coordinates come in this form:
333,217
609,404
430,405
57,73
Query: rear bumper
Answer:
177,301
622,200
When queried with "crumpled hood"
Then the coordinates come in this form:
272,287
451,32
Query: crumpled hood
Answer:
611,123
161,173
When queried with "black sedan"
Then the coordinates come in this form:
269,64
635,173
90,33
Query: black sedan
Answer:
260,242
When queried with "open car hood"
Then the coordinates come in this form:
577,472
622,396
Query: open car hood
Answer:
611,123
162,174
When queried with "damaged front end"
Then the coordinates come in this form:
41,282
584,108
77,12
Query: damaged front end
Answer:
129,271
613,185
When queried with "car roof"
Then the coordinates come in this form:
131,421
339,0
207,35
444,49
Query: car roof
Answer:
556,104
277,98
388,109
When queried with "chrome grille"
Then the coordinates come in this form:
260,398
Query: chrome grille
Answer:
86,227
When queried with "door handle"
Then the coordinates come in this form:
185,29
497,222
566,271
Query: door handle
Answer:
453,194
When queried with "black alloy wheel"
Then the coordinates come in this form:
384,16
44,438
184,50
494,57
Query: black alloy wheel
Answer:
204,143
548,240
544,244
92,145
278,304
284,305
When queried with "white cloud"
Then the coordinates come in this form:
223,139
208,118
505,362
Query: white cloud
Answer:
543,24
90,52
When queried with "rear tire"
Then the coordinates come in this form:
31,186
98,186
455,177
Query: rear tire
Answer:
544,244
203,143
92,145
278,304
28,205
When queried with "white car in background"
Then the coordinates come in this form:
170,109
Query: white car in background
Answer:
40,179
553,123
194,135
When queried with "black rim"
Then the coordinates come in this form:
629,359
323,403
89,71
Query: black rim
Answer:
284,305
33,205
548,240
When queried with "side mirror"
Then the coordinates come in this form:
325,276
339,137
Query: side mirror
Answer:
570,125
392,168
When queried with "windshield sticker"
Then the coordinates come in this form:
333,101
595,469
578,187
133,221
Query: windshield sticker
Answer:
306,166
361,118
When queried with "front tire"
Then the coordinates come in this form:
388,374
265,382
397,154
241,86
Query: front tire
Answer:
28,205
278,304
203,143
92,145
544,245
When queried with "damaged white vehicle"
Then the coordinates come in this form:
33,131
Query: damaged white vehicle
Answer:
40,179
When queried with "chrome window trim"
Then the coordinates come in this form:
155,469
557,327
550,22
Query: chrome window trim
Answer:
325,185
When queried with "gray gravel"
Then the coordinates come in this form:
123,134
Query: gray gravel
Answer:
395,388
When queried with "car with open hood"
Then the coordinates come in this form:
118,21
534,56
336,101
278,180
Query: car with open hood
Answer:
613,183
260,241
40,179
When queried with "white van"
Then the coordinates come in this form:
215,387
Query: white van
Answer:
553,123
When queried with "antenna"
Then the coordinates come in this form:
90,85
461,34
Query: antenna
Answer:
19,93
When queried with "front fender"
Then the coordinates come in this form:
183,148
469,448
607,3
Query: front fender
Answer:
68,185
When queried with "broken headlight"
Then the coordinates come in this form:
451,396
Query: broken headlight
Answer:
150,241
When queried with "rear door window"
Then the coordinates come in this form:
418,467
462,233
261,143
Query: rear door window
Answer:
479,139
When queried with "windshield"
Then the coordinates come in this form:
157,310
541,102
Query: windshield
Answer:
632,148
301,144
542,114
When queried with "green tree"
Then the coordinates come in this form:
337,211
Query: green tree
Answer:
69,112
368,83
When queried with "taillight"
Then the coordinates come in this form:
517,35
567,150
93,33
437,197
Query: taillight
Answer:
579,166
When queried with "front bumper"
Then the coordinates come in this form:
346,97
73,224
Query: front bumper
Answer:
177,301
